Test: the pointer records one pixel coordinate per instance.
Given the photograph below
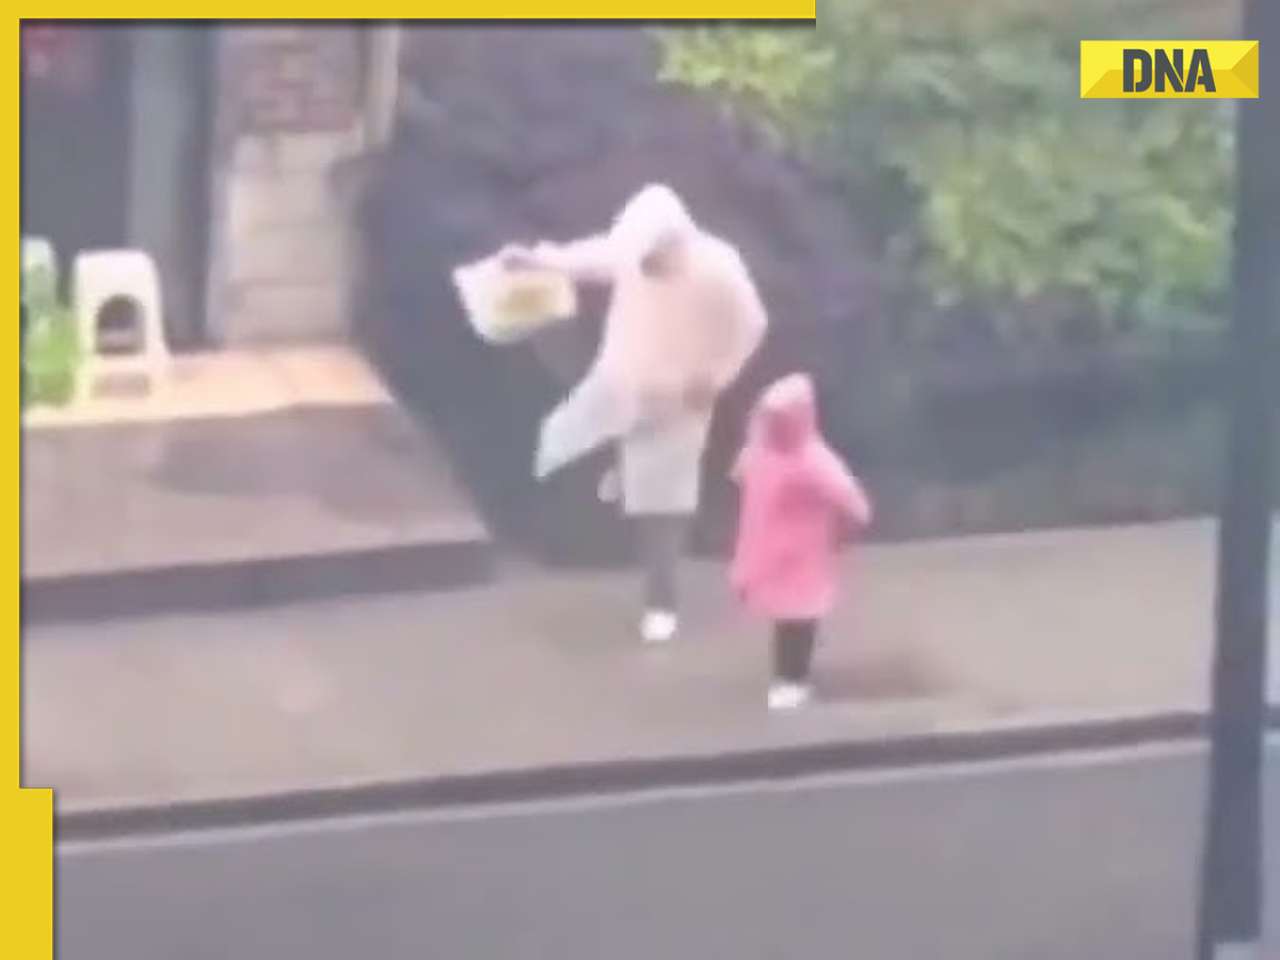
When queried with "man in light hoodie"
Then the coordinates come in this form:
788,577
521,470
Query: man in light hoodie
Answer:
683,320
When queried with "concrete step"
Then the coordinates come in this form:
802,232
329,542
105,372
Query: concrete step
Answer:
264,504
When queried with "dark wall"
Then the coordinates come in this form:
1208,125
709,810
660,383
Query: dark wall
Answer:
171,130
75,138
115,147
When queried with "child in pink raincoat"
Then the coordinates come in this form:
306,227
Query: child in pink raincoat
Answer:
797,498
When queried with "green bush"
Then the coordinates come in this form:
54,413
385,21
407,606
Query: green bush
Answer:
959,134
50,352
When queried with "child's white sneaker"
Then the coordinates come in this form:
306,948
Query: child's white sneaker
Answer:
659,626
784,695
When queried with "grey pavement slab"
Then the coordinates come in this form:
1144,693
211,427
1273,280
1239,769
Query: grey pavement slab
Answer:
302,481
541,668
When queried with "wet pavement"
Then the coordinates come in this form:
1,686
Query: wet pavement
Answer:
544,668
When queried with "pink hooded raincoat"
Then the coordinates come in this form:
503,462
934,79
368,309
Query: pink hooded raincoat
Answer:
796,494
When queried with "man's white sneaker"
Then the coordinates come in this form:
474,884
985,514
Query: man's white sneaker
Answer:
658,626
788,696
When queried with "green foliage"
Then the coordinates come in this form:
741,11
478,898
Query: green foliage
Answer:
50,352
780,71
960,134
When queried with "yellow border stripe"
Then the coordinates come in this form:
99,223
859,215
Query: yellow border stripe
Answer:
801,10
26,816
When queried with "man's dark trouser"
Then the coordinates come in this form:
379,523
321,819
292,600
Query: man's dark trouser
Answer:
661,542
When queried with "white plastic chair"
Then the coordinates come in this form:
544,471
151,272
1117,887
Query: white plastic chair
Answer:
100,277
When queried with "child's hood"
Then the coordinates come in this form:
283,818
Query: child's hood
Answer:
785,444
786,416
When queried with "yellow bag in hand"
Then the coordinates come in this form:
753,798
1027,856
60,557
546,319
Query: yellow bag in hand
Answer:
507,305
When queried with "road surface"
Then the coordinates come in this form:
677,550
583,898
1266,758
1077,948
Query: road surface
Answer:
1059,858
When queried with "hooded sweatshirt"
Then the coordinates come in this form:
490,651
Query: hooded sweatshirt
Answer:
796,495
662,336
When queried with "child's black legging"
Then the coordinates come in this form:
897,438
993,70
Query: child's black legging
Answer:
793,642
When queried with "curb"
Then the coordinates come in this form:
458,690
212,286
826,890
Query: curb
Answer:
631,776
244,584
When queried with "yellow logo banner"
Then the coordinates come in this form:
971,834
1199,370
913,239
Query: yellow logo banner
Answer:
1169,69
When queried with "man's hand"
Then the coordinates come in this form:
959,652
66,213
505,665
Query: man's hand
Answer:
609,489
516,257
657,403
700,395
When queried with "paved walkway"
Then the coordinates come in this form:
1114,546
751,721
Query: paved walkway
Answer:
543,669
289,483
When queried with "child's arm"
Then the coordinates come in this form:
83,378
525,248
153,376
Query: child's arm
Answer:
843,490
859,505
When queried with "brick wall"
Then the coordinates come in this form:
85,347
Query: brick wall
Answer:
289,110
295,79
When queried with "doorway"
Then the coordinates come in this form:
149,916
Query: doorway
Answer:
75,136
115,139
